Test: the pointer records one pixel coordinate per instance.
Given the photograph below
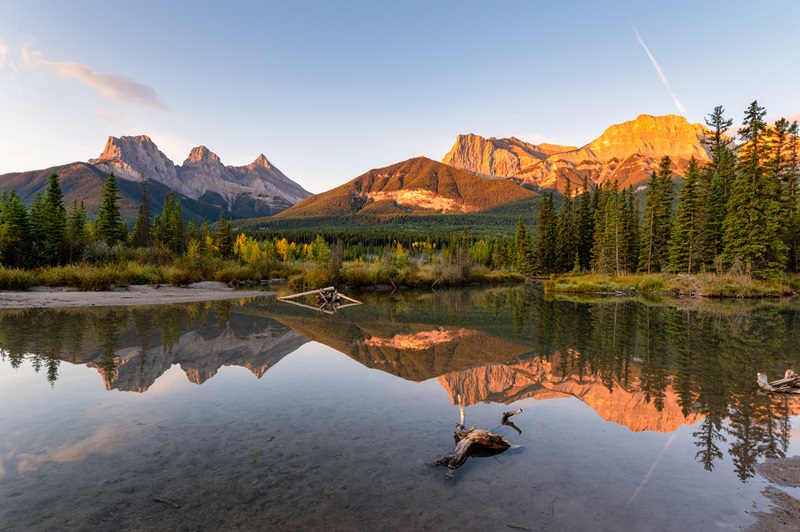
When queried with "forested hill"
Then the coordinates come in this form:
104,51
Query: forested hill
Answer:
418,186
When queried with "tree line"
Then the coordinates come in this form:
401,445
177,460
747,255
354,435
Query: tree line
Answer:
49,234
739,210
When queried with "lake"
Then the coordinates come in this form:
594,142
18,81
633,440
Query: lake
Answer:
637,414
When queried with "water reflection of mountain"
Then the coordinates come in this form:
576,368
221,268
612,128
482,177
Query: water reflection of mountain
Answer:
133,347
644,365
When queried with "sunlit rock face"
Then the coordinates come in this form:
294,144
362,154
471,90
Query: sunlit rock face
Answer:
136,159
626,153
538,379
495,157
203,176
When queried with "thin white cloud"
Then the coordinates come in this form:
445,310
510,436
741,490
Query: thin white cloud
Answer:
678,104
114,87
3,54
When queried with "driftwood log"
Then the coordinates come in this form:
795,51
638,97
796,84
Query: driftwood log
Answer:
473,442
790,383
476,442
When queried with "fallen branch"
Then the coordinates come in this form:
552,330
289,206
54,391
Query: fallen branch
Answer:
473,442
790,383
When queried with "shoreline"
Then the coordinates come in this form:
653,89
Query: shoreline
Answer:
45,297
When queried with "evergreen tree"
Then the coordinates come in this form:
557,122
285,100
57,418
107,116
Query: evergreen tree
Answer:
629,251
713,222
687,231
544,246
53,223
37,230
109,227
142,228
566,233
15,236
608,231
657,219
792,199
585,216
523,249
76,231
223,237
715,139
752,225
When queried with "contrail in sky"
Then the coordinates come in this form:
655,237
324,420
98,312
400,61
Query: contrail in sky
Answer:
678,104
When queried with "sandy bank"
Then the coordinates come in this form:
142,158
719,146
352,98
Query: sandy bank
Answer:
43,297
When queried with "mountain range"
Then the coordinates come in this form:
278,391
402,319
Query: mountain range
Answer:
204,186
477,175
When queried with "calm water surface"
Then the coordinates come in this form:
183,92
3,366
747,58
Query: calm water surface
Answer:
637,415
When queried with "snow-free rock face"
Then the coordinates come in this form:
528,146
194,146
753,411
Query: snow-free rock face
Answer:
259,188
626,153
495,157
136,159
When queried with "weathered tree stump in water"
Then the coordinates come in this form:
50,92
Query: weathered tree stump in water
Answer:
473,442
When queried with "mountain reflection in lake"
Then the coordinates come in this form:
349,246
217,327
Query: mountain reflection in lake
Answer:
657,424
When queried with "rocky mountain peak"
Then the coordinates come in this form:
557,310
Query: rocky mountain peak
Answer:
201,154
137,158
262,160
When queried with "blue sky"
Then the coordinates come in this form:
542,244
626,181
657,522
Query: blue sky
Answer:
329,90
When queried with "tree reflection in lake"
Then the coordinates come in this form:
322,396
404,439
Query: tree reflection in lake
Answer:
648,364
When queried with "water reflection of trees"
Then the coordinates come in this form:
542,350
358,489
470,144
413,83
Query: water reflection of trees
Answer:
45,337
708,358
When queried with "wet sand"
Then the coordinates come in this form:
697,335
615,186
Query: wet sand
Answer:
785,514
44,297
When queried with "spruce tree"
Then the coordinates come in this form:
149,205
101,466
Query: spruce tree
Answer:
523,249
54,223
15,232
657,219
223,237
566,233
630,230
585,220
109,227
76,231
687,231
142,228
752,225
544,246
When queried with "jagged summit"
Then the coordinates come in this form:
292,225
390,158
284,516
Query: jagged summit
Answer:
201,153
259,188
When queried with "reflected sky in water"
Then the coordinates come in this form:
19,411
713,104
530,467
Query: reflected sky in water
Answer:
636,414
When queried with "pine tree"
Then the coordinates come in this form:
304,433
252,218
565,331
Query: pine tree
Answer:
657,219
523,249
713,222
792,199
142,228
15,236
630,230
223,237
109,227
752,225
544,246
54,223
37,230
585,220
76,231
715,139
566,233
687,231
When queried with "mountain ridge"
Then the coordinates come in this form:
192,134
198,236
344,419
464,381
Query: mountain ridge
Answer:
627,152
